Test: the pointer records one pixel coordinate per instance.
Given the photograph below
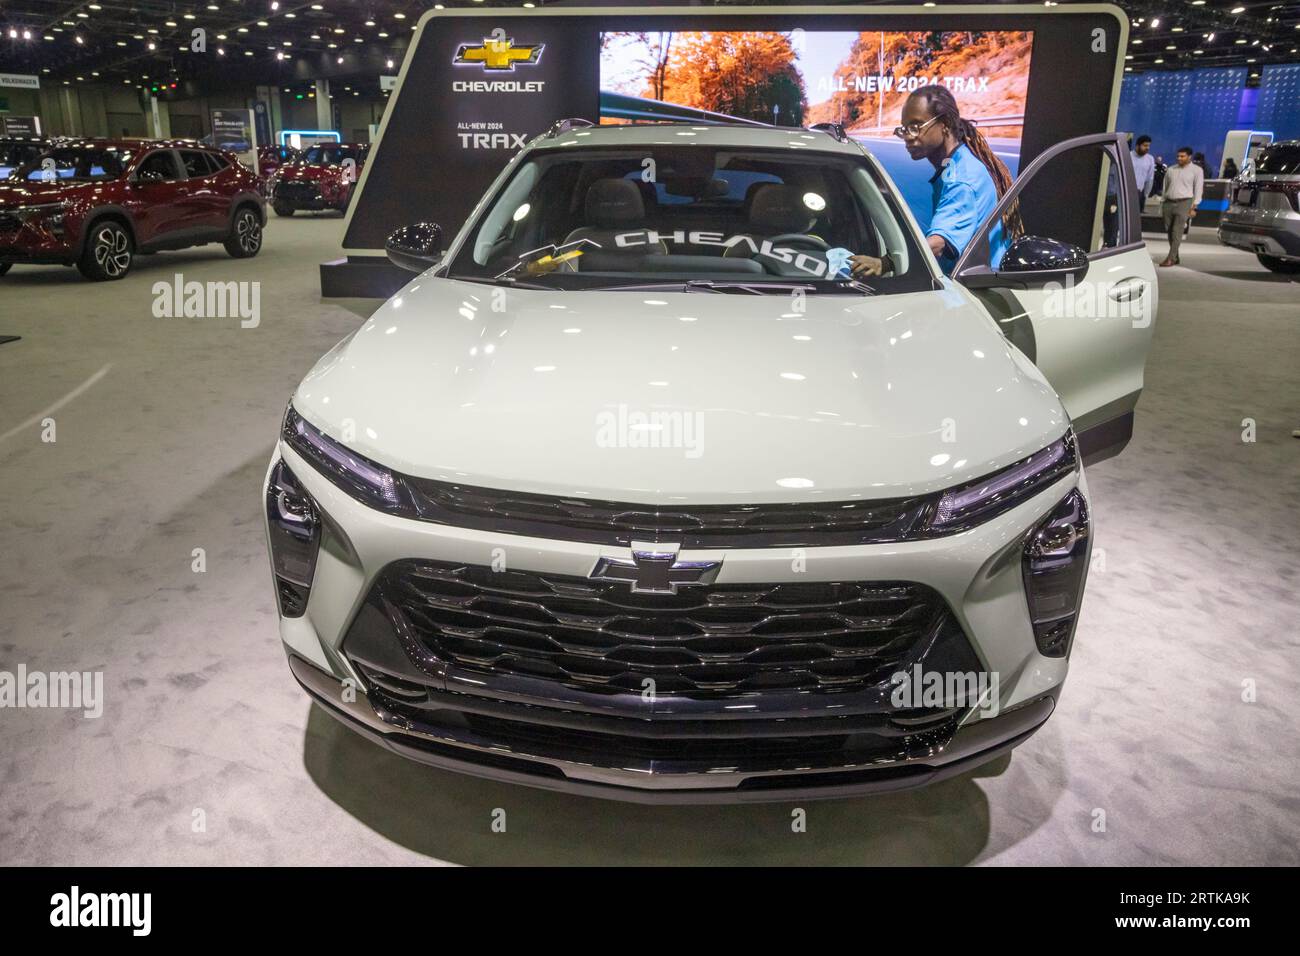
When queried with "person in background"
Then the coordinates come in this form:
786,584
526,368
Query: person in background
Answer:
968,181
1199,160
1144,167
1158,181
1230,170
1184,184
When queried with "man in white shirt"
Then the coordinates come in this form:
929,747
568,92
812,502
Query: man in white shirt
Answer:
1144,166
1183,185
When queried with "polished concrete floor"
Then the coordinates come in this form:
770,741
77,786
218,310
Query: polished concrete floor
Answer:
208,753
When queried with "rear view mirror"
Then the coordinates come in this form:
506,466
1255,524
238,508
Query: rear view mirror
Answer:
1030,262
415,247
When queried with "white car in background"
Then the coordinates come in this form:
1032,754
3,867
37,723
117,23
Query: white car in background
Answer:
630,493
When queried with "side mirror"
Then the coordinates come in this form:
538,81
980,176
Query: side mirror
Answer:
1030,262
415,247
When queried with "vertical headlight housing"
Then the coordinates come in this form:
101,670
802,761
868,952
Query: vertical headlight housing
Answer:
1055,566
294,524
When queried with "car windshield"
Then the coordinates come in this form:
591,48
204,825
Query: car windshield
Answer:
702,218
332,155
13,155
1281,160
79,163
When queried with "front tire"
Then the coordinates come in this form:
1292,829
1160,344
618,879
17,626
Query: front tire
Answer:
245,239
1278,265
283,209
108,254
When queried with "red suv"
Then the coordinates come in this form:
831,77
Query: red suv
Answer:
96,203
323,178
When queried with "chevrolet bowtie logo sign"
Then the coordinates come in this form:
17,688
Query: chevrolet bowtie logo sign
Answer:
657,572
497,53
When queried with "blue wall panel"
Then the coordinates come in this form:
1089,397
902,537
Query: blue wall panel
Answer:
1279,101
1183,108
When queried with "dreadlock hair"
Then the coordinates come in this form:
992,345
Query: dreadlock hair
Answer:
941,104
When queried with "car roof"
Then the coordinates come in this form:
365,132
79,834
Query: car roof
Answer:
132,144
677,134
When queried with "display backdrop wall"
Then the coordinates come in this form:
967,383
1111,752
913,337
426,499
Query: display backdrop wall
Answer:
1184,108
1278,106
476,85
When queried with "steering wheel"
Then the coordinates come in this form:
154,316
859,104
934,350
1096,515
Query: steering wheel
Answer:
801,238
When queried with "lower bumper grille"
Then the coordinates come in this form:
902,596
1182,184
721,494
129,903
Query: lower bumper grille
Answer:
704,641
297,192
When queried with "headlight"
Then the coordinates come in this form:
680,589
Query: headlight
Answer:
294,526
974,503
50,214
360,477
1055,566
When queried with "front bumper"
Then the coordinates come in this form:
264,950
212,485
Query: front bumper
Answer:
33,243
682,750
307,195
458,748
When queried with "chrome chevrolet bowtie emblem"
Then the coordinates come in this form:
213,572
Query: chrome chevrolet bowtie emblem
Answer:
657,571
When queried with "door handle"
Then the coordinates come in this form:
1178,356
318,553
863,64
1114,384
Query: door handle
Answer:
1127,289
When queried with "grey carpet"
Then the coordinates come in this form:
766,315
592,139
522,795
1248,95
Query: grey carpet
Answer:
164,453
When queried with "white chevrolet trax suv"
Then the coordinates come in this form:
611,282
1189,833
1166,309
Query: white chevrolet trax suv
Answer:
634,492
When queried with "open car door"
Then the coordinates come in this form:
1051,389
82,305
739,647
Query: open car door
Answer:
1076,294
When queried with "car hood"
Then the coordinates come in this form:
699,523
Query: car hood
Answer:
657,397
31,193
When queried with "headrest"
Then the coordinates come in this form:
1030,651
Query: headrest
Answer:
612,203
779,209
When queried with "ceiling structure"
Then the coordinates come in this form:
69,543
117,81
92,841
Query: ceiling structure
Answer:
290,43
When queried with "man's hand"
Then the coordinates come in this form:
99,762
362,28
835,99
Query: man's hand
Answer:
860,266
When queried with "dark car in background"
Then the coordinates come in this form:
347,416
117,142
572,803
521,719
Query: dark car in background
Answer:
323,177
1263,216
97,203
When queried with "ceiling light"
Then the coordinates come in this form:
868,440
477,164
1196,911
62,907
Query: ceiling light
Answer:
80,41
1155,22
399,16
1238,10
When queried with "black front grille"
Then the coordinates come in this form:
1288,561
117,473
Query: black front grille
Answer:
9,222
696,526
708,640
297,192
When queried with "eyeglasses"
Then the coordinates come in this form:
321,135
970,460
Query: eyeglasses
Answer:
913,130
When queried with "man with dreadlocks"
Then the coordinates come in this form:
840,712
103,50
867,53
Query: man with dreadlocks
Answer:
968,180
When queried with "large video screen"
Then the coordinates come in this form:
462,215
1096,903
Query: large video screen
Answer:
859,79
479,83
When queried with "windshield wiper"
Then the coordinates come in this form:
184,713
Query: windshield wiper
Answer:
726,286
708,285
